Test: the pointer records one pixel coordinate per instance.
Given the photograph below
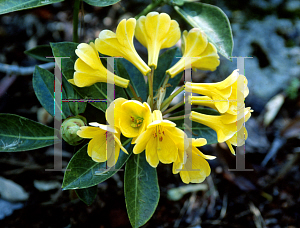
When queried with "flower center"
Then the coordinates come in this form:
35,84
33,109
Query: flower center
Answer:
136,121
159,133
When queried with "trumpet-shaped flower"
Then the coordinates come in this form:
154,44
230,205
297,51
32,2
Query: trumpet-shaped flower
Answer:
156,31
160,141
226,125
233,102
224,94
105,144
89,69
120,44
132,117
192,166
203,54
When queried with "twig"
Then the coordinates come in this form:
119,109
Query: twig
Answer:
173,108
17,70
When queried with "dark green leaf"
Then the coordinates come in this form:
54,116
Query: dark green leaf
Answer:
14,5
127,70
87,195
96,91
101,3
43,85
40,53
84,171
20,134
141,190
164,63
211,20
199,130
76,107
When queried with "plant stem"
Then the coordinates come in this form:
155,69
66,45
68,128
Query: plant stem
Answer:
175,117
149,8
75,20
173,108
150,83
171,97
164,85
134,93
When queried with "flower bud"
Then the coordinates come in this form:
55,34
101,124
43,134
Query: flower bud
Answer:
69,129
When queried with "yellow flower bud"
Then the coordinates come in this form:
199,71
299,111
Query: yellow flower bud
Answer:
120,44
89,69
203,54
156,31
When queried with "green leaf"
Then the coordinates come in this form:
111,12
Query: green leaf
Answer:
43,85
141,190
97,91
164,63
127,70
40,53
211,20
20,134
168,59
14,5
199,130
176,2
76,107
84,171
87,195
101,3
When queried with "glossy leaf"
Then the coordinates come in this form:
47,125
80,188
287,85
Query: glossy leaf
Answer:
165,62
141,190
101,3
40,53
76,107
43,85
127,70
211,20
97,91
176,2
84,172
87,195
20,134
199,130
14,5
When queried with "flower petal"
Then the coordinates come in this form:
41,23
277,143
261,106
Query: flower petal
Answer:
90,132
88,55
151,152
166,149
97,148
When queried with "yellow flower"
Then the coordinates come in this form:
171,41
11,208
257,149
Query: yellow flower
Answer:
160,141
195,44
193,168
102,147
226,125
237,139
120,44
222,93
132,117
232,101
156,31
89,69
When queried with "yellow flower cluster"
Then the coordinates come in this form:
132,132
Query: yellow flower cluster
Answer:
155,31
161,140
227,97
